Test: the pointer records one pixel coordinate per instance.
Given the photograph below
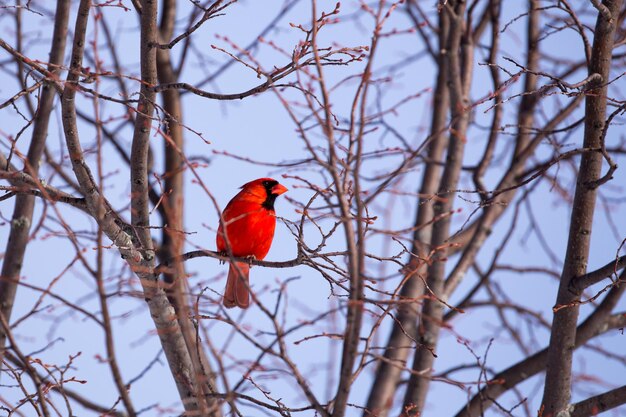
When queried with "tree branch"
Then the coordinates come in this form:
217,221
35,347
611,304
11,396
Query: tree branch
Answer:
460,70
399,344
600,403
579,284
557,389
25,204
598,323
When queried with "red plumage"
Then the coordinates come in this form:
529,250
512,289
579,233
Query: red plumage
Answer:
249,222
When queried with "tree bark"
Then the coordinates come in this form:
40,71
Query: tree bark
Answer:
24,203
402,338
460,65
557,389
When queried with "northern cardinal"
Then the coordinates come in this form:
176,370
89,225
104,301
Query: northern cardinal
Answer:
249,220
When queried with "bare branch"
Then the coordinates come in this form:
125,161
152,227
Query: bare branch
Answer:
578,284
599,403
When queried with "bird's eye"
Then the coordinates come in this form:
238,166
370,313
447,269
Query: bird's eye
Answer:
266,183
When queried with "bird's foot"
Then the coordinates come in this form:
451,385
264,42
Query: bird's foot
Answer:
250,259
222,253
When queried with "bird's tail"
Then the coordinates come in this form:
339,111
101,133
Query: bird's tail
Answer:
237,292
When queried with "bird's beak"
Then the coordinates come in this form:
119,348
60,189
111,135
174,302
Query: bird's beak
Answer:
279,189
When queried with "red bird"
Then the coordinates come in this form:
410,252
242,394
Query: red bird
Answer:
249,220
